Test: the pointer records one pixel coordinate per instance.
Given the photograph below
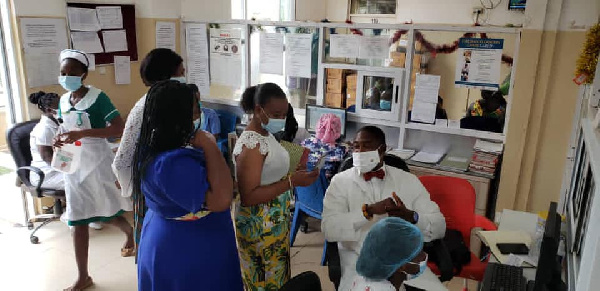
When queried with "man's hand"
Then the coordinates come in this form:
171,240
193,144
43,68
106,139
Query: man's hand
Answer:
381,207
400,210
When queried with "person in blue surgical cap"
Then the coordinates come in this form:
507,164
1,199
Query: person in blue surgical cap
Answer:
391,254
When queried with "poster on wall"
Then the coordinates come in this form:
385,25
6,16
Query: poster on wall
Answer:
226,57
197,57
478,63
42,41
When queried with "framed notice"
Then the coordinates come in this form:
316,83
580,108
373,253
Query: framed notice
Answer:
478,63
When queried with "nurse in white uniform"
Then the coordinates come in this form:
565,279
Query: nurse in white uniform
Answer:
92,191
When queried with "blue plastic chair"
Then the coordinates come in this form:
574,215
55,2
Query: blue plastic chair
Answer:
309,201
228,122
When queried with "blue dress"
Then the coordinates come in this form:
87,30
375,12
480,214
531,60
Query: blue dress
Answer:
180,249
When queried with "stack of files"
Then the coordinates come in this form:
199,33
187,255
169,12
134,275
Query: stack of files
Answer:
427,158
402,153
485,157
455,163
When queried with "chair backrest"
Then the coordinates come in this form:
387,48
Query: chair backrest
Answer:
228,121
456,199
307,281
17,138
312,196
388,159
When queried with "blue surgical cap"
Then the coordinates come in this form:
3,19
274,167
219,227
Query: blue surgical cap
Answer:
391,243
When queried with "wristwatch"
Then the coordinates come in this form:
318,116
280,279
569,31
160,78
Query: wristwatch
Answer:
415,217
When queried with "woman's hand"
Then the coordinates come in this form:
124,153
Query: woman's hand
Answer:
304,178
68,138
203,139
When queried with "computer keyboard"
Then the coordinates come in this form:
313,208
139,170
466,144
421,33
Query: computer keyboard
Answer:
503,278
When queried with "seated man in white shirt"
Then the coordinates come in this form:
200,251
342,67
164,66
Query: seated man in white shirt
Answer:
359,197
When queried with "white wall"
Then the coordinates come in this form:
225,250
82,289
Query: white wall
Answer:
455,12
205,9
313,10
337,10
58,8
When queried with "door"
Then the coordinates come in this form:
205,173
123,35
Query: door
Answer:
379,94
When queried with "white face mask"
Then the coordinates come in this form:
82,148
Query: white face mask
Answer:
365,161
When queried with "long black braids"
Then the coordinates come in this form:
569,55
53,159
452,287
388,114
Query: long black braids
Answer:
43,100
167,125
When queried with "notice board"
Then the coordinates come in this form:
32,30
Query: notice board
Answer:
128,25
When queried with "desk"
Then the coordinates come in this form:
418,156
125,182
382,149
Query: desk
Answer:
527,219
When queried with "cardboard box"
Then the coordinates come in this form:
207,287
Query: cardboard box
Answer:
335,86
417,62
335,73
350,98
351,82
335,100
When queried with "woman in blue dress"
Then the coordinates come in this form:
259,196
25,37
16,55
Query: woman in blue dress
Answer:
187,240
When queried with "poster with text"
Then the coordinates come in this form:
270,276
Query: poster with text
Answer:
226,57
478,63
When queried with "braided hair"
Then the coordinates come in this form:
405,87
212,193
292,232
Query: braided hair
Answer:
167,125
43,100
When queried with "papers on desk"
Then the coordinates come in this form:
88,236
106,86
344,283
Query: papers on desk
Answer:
511,220
427,158
491,238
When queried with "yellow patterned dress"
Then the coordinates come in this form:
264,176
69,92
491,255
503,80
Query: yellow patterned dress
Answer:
263,231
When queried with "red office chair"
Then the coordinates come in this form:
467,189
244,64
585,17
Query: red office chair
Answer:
456,199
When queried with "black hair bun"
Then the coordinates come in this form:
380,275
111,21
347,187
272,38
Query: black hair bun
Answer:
36,97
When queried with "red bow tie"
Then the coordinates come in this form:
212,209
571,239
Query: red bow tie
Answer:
379,174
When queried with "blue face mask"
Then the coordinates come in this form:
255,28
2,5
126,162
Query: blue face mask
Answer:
422,267
385,104
181,80
70,83
273,125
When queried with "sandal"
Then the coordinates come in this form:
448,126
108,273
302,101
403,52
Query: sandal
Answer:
128,252
89,283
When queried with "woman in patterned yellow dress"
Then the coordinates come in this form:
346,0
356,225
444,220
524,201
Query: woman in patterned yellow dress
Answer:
262,164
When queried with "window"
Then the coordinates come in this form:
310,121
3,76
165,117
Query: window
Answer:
274,10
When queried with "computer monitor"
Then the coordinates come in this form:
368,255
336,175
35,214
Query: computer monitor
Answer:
314,112
517,4
548,274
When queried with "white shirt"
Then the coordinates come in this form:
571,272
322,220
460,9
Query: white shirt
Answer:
124,157
361,283
42,135
277,160
344,222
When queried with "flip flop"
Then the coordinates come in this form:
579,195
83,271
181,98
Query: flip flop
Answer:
89,283
128,252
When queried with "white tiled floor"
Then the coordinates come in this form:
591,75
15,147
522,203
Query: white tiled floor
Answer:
50,265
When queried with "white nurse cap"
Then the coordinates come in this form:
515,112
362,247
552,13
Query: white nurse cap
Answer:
74,54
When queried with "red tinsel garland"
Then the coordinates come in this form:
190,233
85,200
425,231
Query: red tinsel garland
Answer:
432,48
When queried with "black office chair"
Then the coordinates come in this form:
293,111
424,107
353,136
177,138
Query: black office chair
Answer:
307,281
18,143
332,255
